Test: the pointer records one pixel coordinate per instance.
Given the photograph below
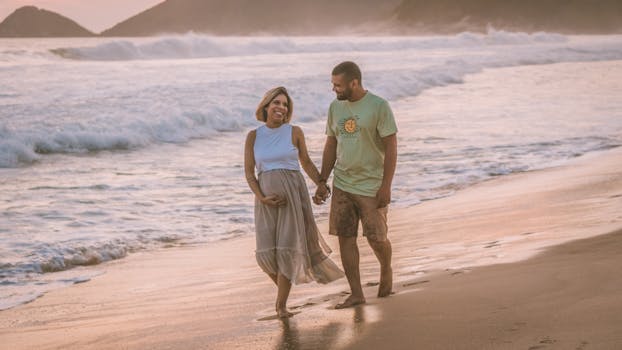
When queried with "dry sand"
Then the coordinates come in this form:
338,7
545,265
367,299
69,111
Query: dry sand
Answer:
215,297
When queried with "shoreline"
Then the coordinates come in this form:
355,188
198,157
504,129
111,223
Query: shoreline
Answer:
93,271
215,296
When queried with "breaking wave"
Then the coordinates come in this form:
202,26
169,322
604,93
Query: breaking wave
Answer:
198,46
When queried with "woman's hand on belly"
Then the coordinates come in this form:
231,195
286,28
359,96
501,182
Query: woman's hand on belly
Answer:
274,200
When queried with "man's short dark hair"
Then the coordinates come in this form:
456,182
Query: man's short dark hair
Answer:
349,70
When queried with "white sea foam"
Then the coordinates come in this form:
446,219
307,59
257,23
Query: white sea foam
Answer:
27,146
199,46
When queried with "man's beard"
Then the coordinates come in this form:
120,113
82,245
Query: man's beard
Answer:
345,95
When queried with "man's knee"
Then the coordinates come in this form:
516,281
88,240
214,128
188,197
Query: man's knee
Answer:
377,244
347,242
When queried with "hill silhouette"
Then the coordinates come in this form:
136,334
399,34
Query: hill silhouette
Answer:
244,17
335,17
29,21
565,16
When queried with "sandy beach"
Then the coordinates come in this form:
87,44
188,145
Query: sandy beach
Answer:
525,261
567,298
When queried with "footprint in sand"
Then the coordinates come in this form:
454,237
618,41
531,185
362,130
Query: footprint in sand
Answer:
408,273
302,306
415,283
275,317
543,343
517,326
458,272
492,244
547,340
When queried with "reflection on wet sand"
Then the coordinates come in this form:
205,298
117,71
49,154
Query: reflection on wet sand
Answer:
310,332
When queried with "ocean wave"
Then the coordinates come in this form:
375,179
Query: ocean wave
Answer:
200,46
23,281
442,172
155,115
48,258
27,146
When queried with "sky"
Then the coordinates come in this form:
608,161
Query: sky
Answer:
94,15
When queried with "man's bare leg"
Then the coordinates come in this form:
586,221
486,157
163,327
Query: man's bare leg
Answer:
383,253
350,260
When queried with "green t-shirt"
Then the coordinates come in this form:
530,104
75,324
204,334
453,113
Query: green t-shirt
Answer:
359,128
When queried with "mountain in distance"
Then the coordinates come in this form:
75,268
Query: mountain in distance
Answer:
336,17
247,17
562,16
29,21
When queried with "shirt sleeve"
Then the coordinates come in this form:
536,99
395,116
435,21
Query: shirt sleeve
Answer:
329,122
386,122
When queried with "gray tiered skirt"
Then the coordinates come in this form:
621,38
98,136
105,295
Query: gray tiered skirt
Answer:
288,240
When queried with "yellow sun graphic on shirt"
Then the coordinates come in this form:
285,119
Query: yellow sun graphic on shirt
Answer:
349,126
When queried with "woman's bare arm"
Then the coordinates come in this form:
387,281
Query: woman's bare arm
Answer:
303,155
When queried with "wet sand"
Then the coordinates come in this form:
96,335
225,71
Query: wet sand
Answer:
566,298
489,267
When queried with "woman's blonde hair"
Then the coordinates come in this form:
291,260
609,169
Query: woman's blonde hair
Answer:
261,113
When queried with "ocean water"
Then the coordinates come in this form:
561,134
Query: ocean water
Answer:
110,146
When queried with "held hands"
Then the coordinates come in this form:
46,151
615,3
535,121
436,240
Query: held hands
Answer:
274,200
321,194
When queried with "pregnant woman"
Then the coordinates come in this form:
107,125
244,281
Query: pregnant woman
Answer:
290,248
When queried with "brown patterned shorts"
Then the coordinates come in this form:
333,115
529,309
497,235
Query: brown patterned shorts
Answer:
346,209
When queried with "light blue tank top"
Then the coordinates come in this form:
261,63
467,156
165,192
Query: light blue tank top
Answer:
274,149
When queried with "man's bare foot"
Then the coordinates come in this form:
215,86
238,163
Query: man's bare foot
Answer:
283,313
386,283
350,302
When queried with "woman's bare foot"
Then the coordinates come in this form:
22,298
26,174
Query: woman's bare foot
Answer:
350,302
386,283
283,313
